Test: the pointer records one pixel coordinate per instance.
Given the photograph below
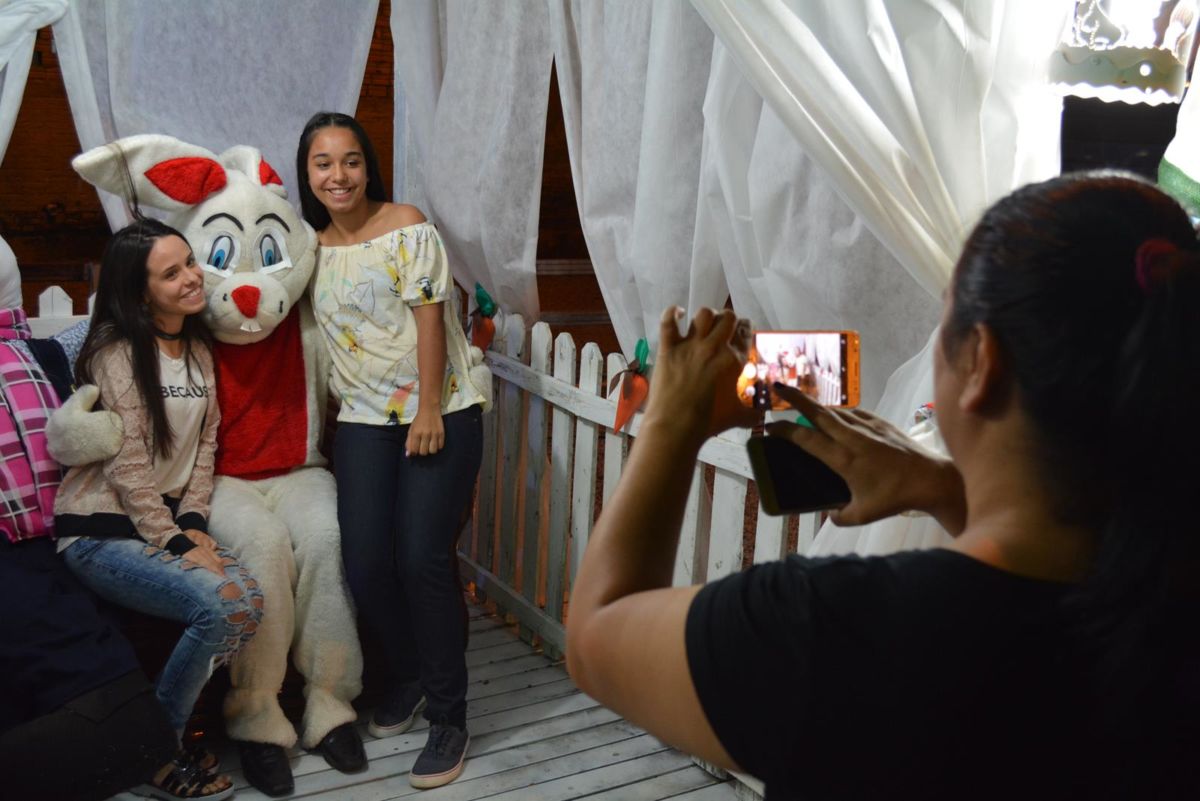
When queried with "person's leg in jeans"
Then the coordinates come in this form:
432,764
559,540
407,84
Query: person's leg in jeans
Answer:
220,612
366,465
431,494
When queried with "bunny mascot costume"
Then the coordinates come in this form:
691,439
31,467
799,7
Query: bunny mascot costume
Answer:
274,503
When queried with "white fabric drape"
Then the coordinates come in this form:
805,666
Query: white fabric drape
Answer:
19,24
632,76
773,233
215,74
471,88
20,21
921,113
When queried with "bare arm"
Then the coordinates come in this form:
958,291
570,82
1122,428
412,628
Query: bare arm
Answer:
426,434
625,635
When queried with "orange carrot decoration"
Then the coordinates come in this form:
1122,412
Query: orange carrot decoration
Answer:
634,385
483,327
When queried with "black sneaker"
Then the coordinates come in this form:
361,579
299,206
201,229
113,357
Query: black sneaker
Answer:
442,758
397,714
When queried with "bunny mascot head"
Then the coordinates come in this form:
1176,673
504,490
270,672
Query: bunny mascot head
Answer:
273,504
257,253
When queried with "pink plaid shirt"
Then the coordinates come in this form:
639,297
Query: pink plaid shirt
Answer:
29,478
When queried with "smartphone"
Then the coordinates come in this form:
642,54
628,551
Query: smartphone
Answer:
791,480
821,364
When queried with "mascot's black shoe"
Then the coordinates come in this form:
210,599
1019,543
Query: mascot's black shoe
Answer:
343,749
266,767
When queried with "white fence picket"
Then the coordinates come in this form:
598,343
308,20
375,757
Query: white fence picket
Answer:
510,412
726,527
770,537
583,484
614,442
810,524
55,302
537,432
691,558
562,444
485,504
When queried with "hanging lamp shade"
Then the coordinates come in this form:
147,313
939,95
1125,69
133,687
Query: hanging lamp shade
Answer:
1137,51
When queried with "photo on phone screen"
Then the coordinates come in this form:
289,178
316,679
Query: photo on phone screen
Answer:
821,364
791,480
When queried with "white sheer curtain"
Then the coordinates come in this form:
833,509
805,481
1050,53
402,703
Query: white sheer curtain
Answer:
19,24
215,74
632,77
773,233
920,113
470,120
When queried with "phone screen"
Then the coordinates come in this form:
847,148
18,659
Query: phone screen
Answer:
821,364
791,480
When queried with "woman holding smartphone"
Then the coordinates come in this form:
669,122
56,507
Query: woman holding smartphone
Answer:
409,436
132,528
1050,651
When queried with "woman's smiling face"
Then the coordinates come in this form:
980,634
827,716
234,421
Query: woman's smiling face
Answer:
337,169
174,282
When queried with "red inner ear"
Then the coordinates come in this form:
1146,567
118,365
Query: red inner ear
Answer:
188,180
267,174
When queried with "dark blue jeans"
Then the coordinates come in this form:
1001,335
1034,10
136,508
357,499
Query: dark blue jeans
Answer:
400,519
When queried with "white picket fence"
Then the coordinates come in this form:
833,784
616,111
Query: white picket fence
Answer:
549,448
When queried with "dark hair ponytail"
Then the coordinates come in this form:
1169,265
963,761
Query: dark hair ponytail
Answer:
121,315
1101,333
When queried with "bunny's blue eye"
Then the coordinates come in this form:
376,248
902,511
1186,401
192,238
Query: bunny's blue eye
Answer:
269,251
220,255
272,251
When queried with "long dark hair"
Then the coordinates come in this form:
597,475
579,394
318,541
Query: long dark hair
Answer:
121,315
314,213
1101,334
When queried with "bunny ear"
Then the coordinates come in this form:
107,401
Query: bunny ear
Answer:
165,173
188,180
270,179
267,174
249,161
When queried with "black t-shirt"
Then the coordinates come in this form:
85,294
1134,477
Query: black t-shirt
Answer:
923,674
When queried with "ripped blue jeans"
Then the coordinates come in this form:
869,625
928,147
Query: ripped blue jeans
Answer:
220,613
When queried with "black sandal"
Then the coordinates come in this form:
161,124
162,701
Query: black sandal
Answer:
186,779
204,758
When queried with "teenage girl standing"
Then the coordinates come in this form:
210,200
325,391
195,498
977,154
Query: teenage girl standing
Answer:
409,436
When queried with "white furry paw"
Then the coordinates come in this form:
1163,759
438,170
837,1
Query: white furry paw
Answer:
76,435
480,377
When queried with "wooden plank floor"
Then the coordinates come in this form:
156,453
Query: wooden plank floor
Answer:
534,737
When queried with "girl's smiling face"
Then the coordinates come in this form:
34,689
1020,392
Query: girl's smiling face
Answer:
337,169
174,282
